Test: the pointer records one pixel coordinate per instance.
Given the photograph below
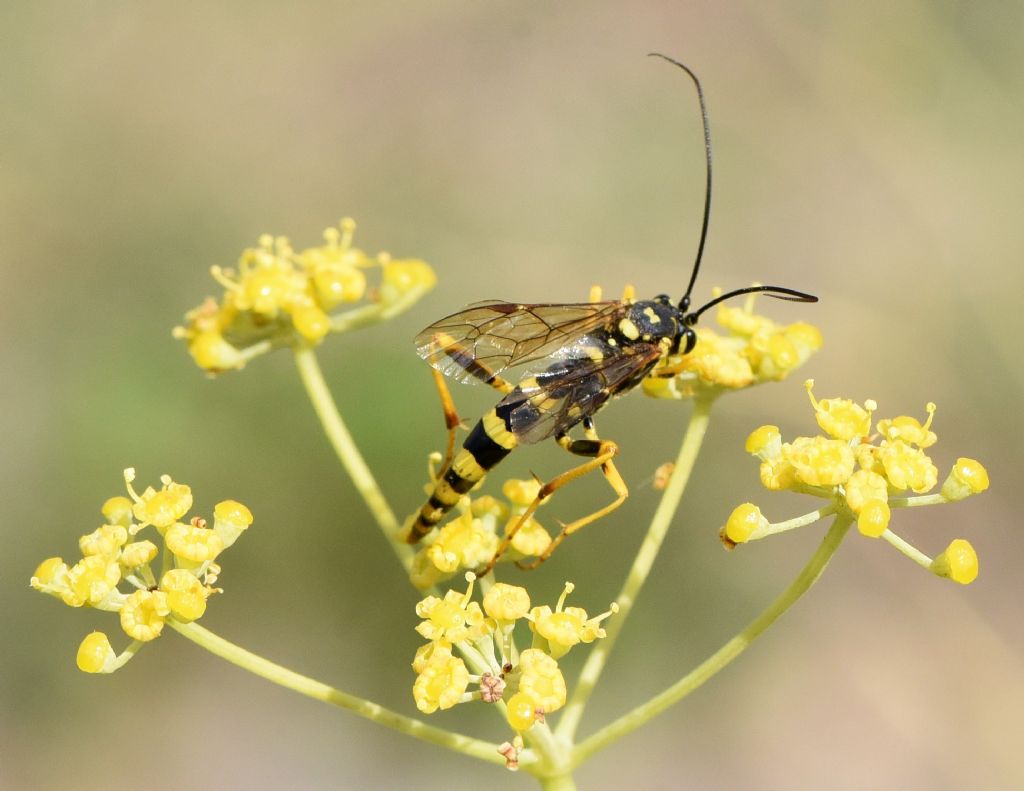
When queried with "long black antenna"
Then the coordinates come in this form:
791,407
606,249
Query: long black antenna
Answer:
779,292
684,303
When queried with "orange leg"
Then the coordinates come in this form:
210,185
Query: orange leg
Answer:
601,453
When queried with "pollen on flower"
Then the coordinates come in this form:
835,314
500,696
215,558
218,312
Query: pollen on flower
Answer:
541,680
91,580
95,654
841,418
192,543
959,562
907,467
565,627
819,461
276,296
778,474
104,540
531,539
453,618
966,478
161,508
138,553
863,487
441,682
910,429
143,614
506,603
873,519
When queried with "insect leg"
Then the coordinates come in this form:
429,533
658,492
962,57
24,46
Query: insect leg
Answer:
600,454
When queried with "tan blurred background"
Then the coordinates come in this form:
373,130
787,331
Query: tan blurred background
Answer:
867,152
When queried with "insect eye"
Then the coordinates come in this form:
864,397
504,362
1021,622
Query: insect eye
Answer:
691,340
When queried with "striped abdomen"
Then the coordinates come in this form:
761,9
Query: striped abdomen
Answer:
488,443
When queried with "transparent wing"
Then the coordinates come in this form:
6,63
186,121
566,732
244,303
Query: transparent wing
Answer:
570,390
488,337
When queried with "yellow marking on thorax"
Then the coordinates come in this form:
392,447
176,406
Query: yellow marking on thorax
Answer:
495,428
629,329
654,317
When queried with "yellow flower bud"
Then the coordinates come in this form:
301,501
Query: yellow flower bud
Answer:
143,614
521,712
863,487
873,519
193,544
137,554
310,321
186,595
95,654
966,478
532,539
959,562
819,461
764,442
441,683
230,520
506,603
541,680
105,540
118,511
743,523
521,492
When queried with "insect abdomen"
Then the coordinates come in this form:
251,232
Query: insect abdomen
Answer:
488,443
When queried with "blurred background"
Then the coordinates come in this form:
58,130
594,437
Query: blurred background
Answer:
869,153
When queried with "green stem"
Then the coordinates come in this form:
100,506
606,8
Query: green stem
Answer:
796,522
909,502
347,452
642,564
563,782
317,690
909,550
724,655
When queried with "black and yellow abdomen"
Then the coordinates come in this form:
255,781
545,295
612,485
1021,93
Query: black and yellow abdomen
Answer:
488,443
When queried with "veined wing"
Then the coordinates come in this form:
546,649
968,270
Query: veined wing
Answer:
488,337
570,390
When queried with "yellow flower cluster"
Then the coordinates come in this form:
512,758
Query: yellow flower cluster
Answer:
281,297
529,681
111,555
863,476
754,350
469,540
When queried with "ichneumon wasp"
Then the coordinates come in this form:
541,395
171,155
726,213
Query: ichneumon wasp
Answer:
584,354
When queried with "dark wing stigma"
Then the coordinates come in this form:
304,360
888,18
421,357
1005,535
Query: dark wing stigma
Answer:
488,337
557,398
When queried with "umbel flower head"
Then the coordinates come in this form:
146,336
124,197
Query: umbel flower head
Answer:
278,296
115,572
529,681
753,350
862,476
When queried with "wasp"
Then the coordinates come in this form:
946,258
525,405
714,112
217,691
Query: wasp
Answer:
578,357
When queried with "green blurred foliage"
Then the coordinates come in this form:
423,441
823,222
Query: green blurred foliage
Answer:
867,152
